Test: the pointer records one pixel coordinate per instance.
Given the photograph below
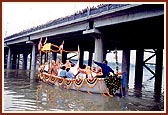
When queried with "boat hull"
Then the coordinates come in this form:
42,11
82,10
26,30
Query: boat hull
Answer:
95,85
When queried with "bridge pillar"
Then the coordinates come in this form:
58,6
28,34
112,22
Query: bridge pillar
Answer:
33,57
43,55
98,50
54,56
18,59
158,71
90,58
24,61
43,58
81,57
9,58
126,63
104,54
64,57
5,58
14,60
30,61
139,68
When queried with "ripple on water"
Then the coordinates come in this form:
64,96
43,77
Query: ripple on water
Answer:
23,94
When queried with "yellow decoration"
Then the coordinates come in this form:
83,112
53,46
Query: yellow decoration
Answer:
46,47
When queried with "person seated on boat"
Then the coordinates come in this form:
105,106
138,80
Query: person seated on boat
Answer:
89,72
81,72
106,70
94,69
72,65
67,64
58,63
99,72
69,74
46,67
40,68
53,68
62,72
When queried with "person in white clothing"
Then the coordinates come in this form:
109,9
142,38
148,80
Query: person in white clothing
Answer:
46,67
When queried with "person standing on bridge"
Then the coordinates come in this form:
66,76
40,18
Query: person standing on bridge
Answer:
105,68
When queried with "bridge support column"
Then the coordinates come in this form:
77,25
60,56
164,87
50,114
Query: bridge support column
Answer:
24,61
14,60
64,57
90,58
104,54
43,58
158,71
98,50
139,69
33,57
5,59
9,59
54,56
18,59
126,63
81,57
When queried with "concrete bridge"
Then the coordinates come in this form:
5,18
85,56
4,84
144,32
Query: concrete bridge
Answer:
112,26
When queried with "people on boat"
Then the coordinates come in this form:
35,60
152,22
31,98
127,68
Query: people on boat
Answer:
46,67
53,69
89,72
69,74
40,68
99,72
81,72
58,64
62,72
94,69
68,64
106,70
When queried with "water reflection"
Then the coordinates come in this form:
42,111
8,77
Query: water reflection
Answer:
49,98
24,94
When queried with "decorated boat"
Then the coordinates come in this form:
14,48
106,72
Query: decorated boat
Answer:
107,86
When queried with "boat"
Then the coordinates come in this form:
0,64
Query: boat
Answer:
107,86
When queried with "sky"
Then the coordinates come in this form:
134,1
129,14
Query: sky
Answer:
18,16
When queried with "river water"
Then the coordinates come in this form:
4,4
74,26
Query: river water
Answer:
24,94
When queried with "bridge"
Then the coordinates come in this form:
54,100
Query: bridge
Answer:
98,30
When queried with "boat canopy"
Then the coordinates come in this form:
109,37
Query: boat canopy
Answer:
47,48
